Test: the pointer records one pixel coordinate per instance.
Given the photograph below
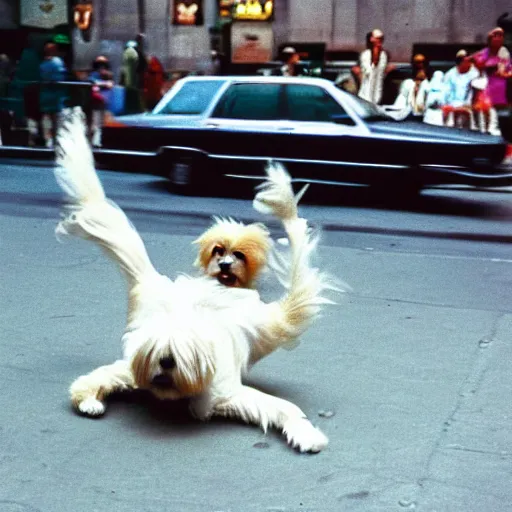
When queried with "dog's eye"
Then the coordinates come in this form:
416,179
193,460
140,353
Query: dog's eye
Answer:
218,250
239,255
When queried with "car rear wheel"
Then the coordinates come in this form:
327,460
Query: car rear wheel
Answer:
185,169
181,175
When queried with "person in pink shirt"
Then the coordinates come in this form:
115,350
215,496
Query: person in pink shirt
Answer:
498,68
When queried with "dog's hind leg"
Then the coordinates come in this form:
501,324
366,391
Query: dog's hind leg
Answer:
253,406
89,392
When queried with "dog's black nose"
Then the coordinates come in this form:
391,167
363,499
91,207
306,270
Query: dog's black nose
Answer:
224,267
167,363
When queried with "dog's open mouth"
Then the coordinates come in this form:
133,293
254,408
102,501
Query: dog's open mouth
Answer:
162,381
227,279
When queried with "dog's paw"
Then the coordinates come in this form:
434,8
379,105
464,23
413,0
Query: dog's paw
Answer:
91,407
301,434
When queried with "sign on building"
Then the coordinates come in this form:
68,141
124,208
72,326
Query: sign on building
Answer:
187,12
44,13
251,10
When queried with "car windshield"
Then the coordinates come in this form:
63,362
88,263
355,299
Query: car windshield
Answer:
366,110
193,98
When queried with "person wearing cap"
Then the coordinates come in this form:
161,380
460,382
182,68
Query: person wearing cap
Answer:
290,58
373,67
497,65
457,82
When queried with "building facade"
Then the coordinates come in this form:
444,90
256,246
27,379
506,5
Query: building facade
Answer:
340,24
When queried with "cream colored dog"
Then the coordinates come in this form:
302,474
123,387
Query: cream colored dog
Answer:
192,337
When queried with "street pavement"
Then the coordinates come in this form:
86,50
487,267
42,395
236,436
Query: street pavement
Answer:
408,375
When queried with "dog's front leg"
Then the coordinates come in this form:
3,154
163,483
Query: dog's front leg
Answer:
253,406
89,392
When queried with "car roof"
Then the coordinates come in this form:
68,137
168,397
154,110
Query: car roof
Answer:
260,79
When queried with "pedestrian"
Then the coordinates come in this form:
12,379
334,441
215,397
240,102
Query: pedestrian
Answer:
413,91
374,65
129,65
291,59
498,68
52,95
457,81
130,79
481,100
434,99
102,79
153,82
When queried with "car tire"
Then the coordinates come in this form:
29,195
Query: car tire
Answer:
181,175
183,168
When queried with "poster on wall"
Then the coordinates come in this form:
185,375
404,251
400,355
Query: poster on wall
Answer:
187,12
251,42
43,13
250,10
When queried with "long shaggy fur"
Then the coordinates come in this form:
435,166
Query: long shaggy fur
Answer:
193,337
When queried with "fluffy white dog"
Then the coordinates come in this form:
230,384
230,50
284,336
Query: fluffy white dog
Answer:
192,337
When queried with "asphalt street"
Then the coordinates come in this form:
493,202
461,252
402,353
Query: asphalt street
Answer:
408,375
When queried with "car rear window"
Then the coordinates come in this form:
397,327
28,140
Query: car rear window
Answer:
193,98
251,101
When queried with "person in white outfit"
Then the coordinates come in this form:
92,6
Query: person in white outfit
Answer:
373,67
434,100
413,91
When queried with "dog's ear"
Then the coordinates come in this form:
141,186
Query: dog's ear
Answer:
206,242
255,243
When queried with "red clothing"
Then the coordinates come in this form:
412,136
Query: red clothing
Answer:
153,82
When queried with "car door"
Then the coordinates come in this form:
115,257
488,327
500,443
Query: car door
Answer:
321,136
247,126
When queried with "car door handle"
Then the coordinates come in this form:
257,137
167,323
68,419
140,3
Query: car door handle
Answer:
212,125
286,128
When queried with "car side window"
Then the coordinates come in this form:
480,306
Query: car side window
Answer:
250,101
192,99
312,103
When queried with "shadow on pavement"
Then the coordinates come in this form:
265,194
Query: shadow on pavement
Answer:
429,201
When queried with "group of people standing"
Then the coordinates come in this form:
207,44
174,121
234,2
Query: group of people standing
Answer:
140,87
469,95
141,82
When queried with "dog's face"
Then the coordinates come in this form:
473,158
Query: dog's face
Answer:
233,253
173,370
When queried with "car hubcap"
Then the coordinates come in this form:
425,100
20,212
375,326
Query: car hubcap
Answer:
181,173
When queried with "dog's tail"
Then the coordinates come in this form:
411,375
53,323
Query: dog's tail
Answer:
88,214
306,286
